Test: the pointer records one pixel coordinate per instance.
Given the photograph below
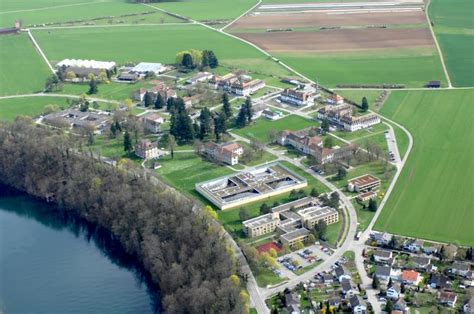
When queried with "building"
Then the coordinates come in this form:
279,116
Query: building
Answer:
251,185
312,215
383,272
439,281
271,115
152,122
199,77
433,84
147,150
341,273
423,263
261,225
246,88
297,205
347,290
414,245
358,307
382,238
448,298
394,291
240,85
75,119
128,77
336,99
367,196
293,237
297,97
228,153
327,278
84,67
342,116
411,277
160,88
364,183
383,256
292,302
145,67
459,268
468,307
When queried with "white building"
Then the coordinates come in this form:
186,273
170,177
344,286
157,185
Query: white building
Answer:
144,67
297,97
146,150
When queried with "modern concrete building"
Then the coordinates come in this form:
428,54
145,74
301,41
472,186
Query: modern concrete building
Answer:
293,237
261,225
364,183
250,186
75,119
312,215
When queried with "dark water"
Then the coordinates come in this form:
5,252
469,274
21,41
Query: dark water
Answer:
52,262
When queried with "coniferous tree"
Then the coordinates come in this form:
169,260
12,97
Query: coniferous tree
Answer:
148,100
93,88
187,61
127,142
226,108
365,104
205,123
159,101
372,205
113,130
248,109
220,126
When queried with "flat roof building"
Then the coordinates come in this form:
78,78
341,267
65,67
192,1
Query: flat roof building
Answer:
145,67
298,204
250,186
293,237
73,118
364,183
312,215
261,225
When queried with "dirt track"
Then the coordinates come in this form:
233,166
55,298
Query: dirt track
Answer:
340,40
267,21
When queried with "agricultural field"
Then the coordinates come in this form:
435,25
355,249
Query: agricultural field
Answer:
132,44
339,48
22,68
435,186
453,25
28,106
208,10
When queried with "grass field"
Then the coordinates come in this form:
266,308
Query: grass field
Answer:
29,106
260,128
204,10
454,28
412,67
356,95
433,197
22,68
124,44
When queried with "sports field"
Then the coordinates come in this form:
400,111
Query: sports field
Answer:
206,10
433,197
454,27
152,44
22,68
28,106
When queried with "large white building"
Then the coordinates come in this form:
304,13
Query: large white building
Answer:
145,67
297,97
91,64
342,116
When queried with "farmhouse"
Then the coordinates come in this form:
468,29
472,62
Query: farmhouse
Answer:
364,183
198,78
228,153
297,97
312,215
147,150
249,186
152,122
293,237
72,118
240,85
261,225
342,116
85,67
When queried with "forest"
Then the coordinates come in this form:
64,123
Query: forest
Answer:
186,258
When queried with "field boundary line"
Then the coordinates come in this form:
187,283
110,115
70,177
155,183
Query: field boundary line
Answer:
38,48
440,53
59,96
106,26
54,7
240,16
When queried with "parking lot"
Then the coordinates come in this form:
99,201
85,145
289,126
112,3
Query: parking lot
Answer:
293,261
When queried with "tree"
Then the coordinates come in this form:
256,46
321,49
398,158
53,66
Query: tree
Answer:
241,119
226,109
299,245
148,99
341,173
235,279
187,61
314,192
325,126
159,101
243,215
209,59
127,142
50,109
389,306
311,239
220,126
70,75
273,253
205,126
103,77
265,209
328,142
375,282
171,144
113,130
372,205
51,83
365,104
248,109
320,230
93,88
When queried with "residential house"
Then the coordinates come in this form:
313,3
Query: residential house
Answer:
342,273
358,307
439,281
292,302
448,298
431,249
400,306
383,256
382,238
383,272
147,150
228,153
347,290
394,291
468,307
190,101
246,88
160,87
421,262
297,97
271,114
411,277
414,245
152,122
364,183
327,278
367,196
334,301
460,268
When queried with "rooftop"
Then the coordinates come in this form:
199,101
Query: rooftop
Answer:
86,64
295,234
364,180
317,212
144,67
309,201
260,220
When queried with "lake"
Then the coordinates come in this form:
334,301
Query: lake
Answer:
52,262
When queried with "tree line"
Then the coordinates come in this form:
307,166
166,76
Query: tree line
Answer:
187,258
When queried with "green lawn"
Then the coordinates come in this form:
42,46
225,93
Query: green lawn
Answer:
454,28
433,197
259,129
22,68
125,44
29,106
412,67
205,10
257,160
356,95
